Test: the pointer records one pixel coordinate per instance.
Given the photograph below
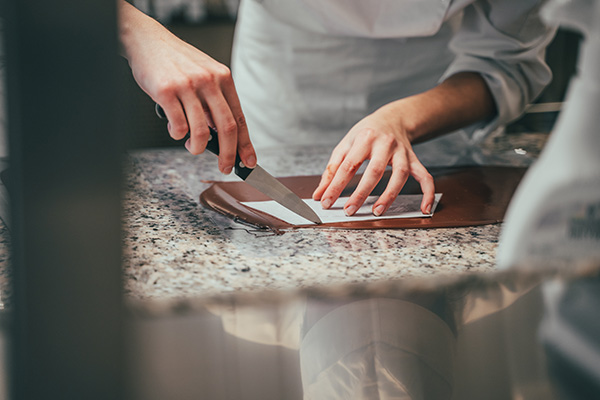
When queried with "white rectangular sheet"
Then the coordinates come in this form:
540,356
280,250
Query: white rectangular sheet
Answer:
405,206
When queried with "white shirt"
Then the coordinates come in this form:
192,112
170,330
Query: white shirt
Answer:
308,70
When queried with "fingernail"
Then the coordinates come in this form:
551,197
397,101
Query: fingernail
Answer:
428,209
379,210
251,161
326,203
227,170
350,210
169,127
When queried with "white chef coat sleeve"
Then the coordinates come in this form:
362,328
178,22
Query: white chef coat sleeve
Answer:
504,41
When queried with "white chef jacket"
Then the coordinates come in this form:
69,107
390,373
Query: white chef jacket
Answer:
306,71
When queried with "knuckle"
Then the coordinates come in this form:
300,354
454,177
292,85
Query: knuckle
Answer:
189,83
422,175
369,135
200,78
349,167
177,134
178,129
360,195
165,89
403,170
377,169
223,73
388,141
182,84
172,87
334,189
229,127
429,180
245,146
200,132
241,120
329,171
390,196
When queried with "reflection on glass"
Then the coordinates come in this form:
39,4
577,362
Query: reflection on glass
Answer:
468,337
376,348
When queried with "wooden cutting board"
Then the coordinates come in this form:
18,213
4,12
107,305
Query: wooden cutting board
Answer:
476,195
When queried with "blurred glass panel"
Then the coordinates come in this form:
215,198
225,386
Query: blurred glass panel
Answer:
468,337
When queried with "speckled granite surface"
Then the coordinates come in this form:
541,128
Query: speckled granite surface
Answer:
174,247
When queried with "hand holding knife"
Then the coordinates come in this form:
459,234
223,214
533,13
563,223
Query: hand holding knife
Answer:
261,180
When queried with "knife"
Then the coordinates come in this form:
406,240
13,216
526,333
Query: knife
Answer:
260,179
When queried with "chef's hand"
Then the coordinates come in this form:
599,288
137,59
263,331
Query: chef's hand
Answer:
382,139
385,138
193,89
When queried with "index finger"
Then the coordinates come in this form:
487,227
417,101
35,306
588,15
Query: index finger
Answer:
244,145
227,128
344,174
425,179
173,109
332,166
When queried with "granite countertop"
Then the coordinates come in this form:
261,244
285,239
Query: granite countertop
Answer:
174,247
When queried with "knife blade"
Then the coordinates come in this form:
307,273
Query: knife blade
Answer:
260,179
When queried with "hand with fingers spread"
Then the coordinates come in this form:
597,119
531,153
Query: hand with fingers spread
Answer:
385,138
382,139
193,89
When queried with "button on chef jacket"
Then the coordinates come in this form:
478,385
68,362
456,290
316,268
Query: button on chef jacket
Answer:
306,71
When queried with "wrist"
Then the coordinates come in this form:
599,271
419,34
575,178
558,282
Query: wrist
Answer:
404,117
134,29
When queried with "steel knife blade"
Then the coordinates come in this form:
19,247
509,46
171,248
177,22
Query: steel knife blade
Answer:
261,180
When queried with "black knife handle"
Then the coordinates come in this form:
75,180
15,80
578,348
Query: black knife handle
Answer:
213,146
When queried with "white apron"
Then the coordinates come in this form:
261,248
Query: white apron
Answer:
306,70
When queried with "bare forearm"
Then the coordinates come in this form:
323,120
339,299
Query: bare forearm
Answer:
459,101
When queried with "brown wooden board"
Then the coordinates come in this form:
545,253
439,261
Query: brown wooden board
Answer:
472,196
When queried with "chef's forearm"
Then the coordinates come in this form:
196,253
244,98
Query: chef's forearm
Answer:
457,102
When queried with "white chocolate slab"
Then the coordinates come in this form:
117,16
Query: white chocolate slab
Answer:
405,206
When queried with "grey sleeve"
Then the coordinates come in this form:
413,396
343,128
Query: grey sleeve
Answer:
504,41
